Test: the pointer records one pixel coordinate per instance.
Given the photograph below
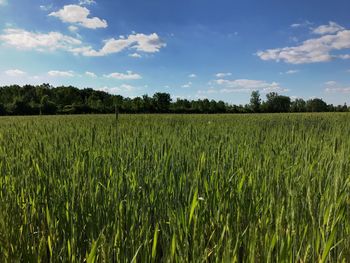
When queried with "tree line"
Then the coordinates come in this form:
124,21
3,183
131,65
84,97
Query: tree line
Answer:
48,100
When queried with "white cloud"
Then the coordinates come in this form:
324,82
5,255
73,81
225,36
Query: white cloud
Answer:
293,39
140,42
57,73
122,76
46,7
346,56
73,29
51,41
291,71
127,87
124,88
331,28
187,85
331,83
135,55
335,87
305,23
15,73
338,90
310,51
79,15
223,75
192,76
90,74
87,2
247,85
3,2
295,25
207,92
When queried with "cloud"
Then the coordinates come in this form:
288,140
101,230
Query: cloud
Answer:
223,75
247,85
305,23
135,55
331,83
3,2
331,28
90,74
51,41
79,15
207,92
56,73
122,76
192,76
290,72
187,85
124,88
140,42
127,87
338,90
46,7
73,29
346,56
87,2
310,51
15,73
295,25
335,87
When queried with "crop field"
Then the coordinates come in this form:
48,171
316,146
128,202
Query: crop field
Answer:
175,188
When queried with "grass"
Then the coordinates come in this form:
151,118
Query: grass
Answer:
175,188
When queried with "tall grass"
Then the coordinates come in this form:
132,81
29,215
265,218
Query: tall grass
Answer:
162,188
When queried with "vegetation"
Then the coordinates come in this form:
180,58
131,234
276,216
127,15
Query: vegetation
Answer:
175,188
47,100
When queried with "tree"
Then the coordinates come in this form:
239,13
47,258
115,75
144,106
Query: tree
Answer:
2,109
316,105
204,106
47,106
31,100
255,101
137,105
277,103
181,106
148,105
298,105
162,102
221,107
20,107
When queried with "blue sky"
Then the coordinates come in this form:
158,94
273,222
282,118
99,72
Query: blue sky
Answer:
192,49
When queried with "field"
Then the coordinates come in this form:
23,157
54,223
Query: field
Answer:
175,188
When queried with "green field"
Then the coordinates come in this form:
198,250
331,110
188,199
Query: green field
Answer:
175,188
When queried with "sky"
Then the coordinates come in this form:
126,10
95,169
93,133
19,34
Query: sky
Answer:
193,49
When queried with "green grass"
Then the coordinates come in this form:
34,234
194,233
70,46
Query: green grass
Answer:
162,188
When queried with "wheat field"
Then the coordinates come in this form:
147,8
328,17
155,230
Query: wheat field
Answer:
175,188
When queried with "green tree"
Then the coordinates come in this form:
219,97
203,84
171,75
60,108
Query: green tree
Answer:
2,109
47,106
255,101
148,105
162,101
316,105
277,103
298,105
137,105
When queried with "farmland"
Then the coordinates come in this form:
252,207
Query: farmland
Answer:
175,188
